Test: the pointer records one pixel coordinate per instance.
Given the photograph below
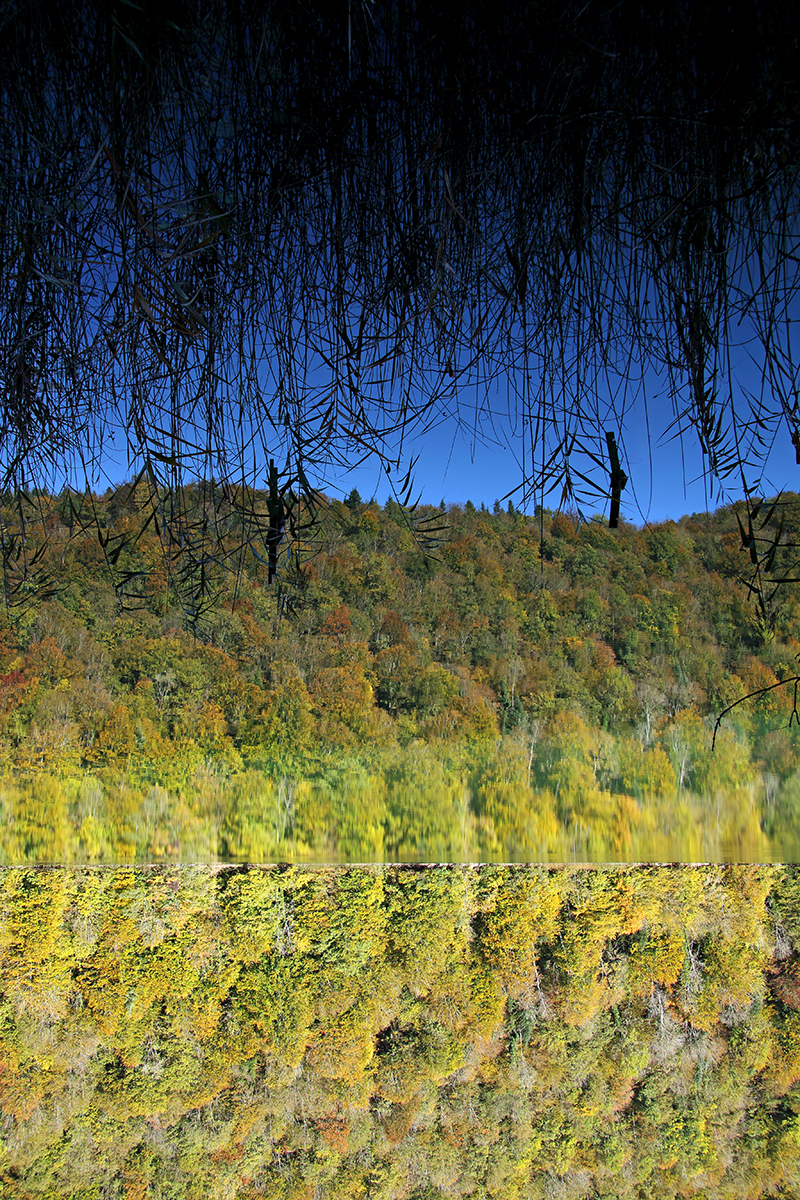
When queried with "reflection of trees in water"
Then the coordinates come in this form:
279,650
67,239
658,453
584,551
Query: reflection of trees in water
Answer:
556,791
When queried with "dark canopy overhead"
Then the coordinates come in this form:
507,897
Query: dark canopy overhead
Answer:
236,232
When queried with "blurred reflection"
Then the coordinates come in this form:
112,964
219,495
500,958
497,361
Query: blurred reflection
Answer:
416,807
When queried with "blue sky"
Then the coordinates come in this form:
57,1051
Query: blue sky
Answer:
457,463
666,470
665,480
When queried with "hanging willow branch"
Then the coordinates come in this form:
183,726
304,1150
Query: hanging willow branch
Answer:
234,232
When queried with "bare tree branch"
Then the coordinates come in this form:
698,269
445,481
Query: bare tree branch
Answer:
237,233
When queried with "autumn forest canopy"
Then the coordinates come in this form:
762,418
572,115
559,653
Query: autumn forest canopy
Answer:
246,247
534,688
400,1033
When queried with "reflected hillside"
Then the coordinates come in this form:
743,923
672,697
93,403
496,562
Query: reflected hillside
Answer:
400,1032
535,688
415,804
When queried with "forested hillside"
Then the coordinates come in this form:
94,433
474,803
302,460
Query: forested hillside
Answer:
400,1033
529,688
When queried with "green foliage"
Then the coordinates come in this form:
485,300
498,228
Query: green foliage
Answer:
250,1032
535,698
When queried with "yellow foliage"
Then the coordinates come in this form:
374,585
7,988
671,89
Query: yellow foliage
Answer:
655,958
524,912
